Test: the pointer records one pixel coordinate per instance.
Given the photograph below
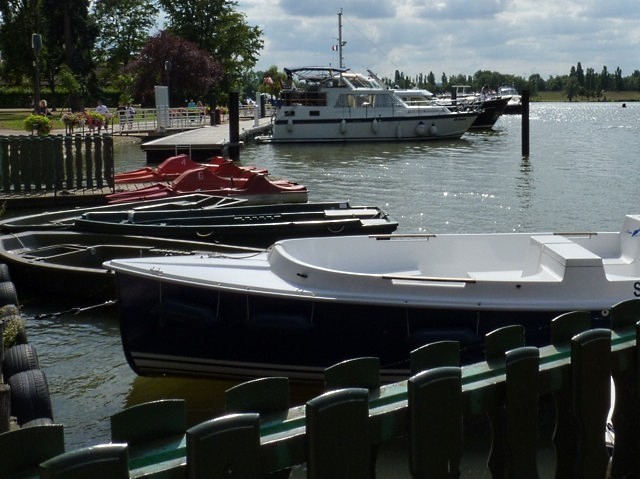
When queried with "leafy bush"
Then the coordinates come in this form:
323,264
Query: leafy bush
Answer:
38,123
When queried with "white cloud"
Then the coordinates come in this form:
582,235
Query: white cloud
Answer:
518,37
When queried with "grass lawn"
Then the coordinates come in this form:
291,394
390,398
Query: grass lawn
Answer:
13,119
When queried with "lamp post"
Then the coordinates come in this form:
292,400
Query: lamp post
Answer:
167,69
36,44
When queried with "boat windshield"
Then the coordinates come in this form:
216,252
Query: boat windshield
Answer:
371,100
360,81
508,90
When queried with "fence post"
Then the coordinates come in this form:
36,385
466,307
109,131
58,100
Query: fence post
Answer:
68,160
521,400
14,160
98,159
626,414
88,161
591,391
58,163
435,422
78,145
47,162
108,160
4,153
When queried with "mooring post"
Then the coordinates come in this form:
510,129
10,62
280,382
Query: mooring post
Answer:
234,125
525,122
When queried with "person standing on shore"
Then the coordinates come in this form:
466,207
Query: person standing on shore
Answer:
41,108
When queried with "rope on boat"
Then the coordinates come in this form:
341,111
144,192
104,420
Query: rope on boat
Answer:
76,310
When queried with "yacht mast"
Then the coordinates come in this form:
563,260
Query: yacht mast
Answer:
340,42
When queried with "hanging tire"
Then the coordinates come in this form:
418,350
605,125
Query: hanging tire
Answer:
30,397
19,358
8,293
4,272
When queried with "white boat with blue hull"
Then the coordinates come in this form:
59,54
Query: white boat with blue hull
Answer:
305,304
328,104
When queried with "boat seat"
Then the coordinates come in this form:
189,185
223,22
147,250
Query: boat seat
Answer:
23,449
435,404
227,446
549,255
572,254
105,461
363,372
149,421
266,396
435,355
348,454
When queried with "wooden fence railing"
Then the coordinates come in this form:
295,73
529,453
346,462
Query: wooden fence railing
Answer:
55,162
338,433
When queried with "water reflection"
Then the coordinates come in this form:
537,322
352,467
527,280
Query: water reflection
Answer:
579,176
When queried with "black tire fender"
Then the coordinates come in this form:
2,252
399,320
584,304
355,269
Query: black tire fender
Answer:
30,397
19,358
8,294
4,272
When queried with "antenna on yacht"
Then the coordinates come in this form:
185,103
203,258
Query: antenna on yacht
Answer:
340,42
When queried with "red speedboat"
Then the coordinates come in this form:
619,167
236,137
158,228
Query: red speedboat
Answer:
256,188
173,167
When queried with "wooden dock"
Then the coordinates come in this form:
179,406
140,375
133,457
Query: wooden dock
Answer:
203,143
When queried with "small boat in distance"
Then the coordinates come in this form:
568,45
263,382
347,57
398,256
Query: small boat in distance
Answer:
331,104
515,103
305,304
488,103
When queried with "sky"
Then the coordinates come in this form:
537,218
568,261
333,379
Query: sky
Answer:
516,37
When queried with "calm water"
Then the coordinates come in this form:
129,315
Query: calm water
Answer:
581,175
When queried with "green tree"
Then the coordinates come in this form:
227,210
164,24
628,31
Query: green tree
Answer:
431,80
216,26
123,27
580,75
19,19
70,34
604,79
571,87
271,81
193,72
617,79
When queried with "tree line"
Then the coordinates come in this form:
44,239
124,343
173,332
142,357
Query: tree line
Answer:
97,49
200,49
577,83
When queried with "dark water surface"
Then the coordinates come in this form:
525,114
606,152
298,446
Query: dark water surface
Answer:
581,175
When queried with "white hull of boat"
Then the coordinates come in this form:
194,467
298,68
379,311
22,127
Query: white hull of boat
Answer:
306,304
511,271
380,128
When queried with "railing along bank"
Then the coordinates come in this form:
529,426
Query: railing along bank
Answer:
55,163
337,434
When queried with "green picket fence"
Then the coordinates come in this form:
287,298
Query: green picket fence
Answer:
339,433
54,163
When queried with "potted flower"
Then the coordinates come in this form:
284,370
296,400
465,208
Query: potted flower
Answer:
72,120
38,124
94,120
